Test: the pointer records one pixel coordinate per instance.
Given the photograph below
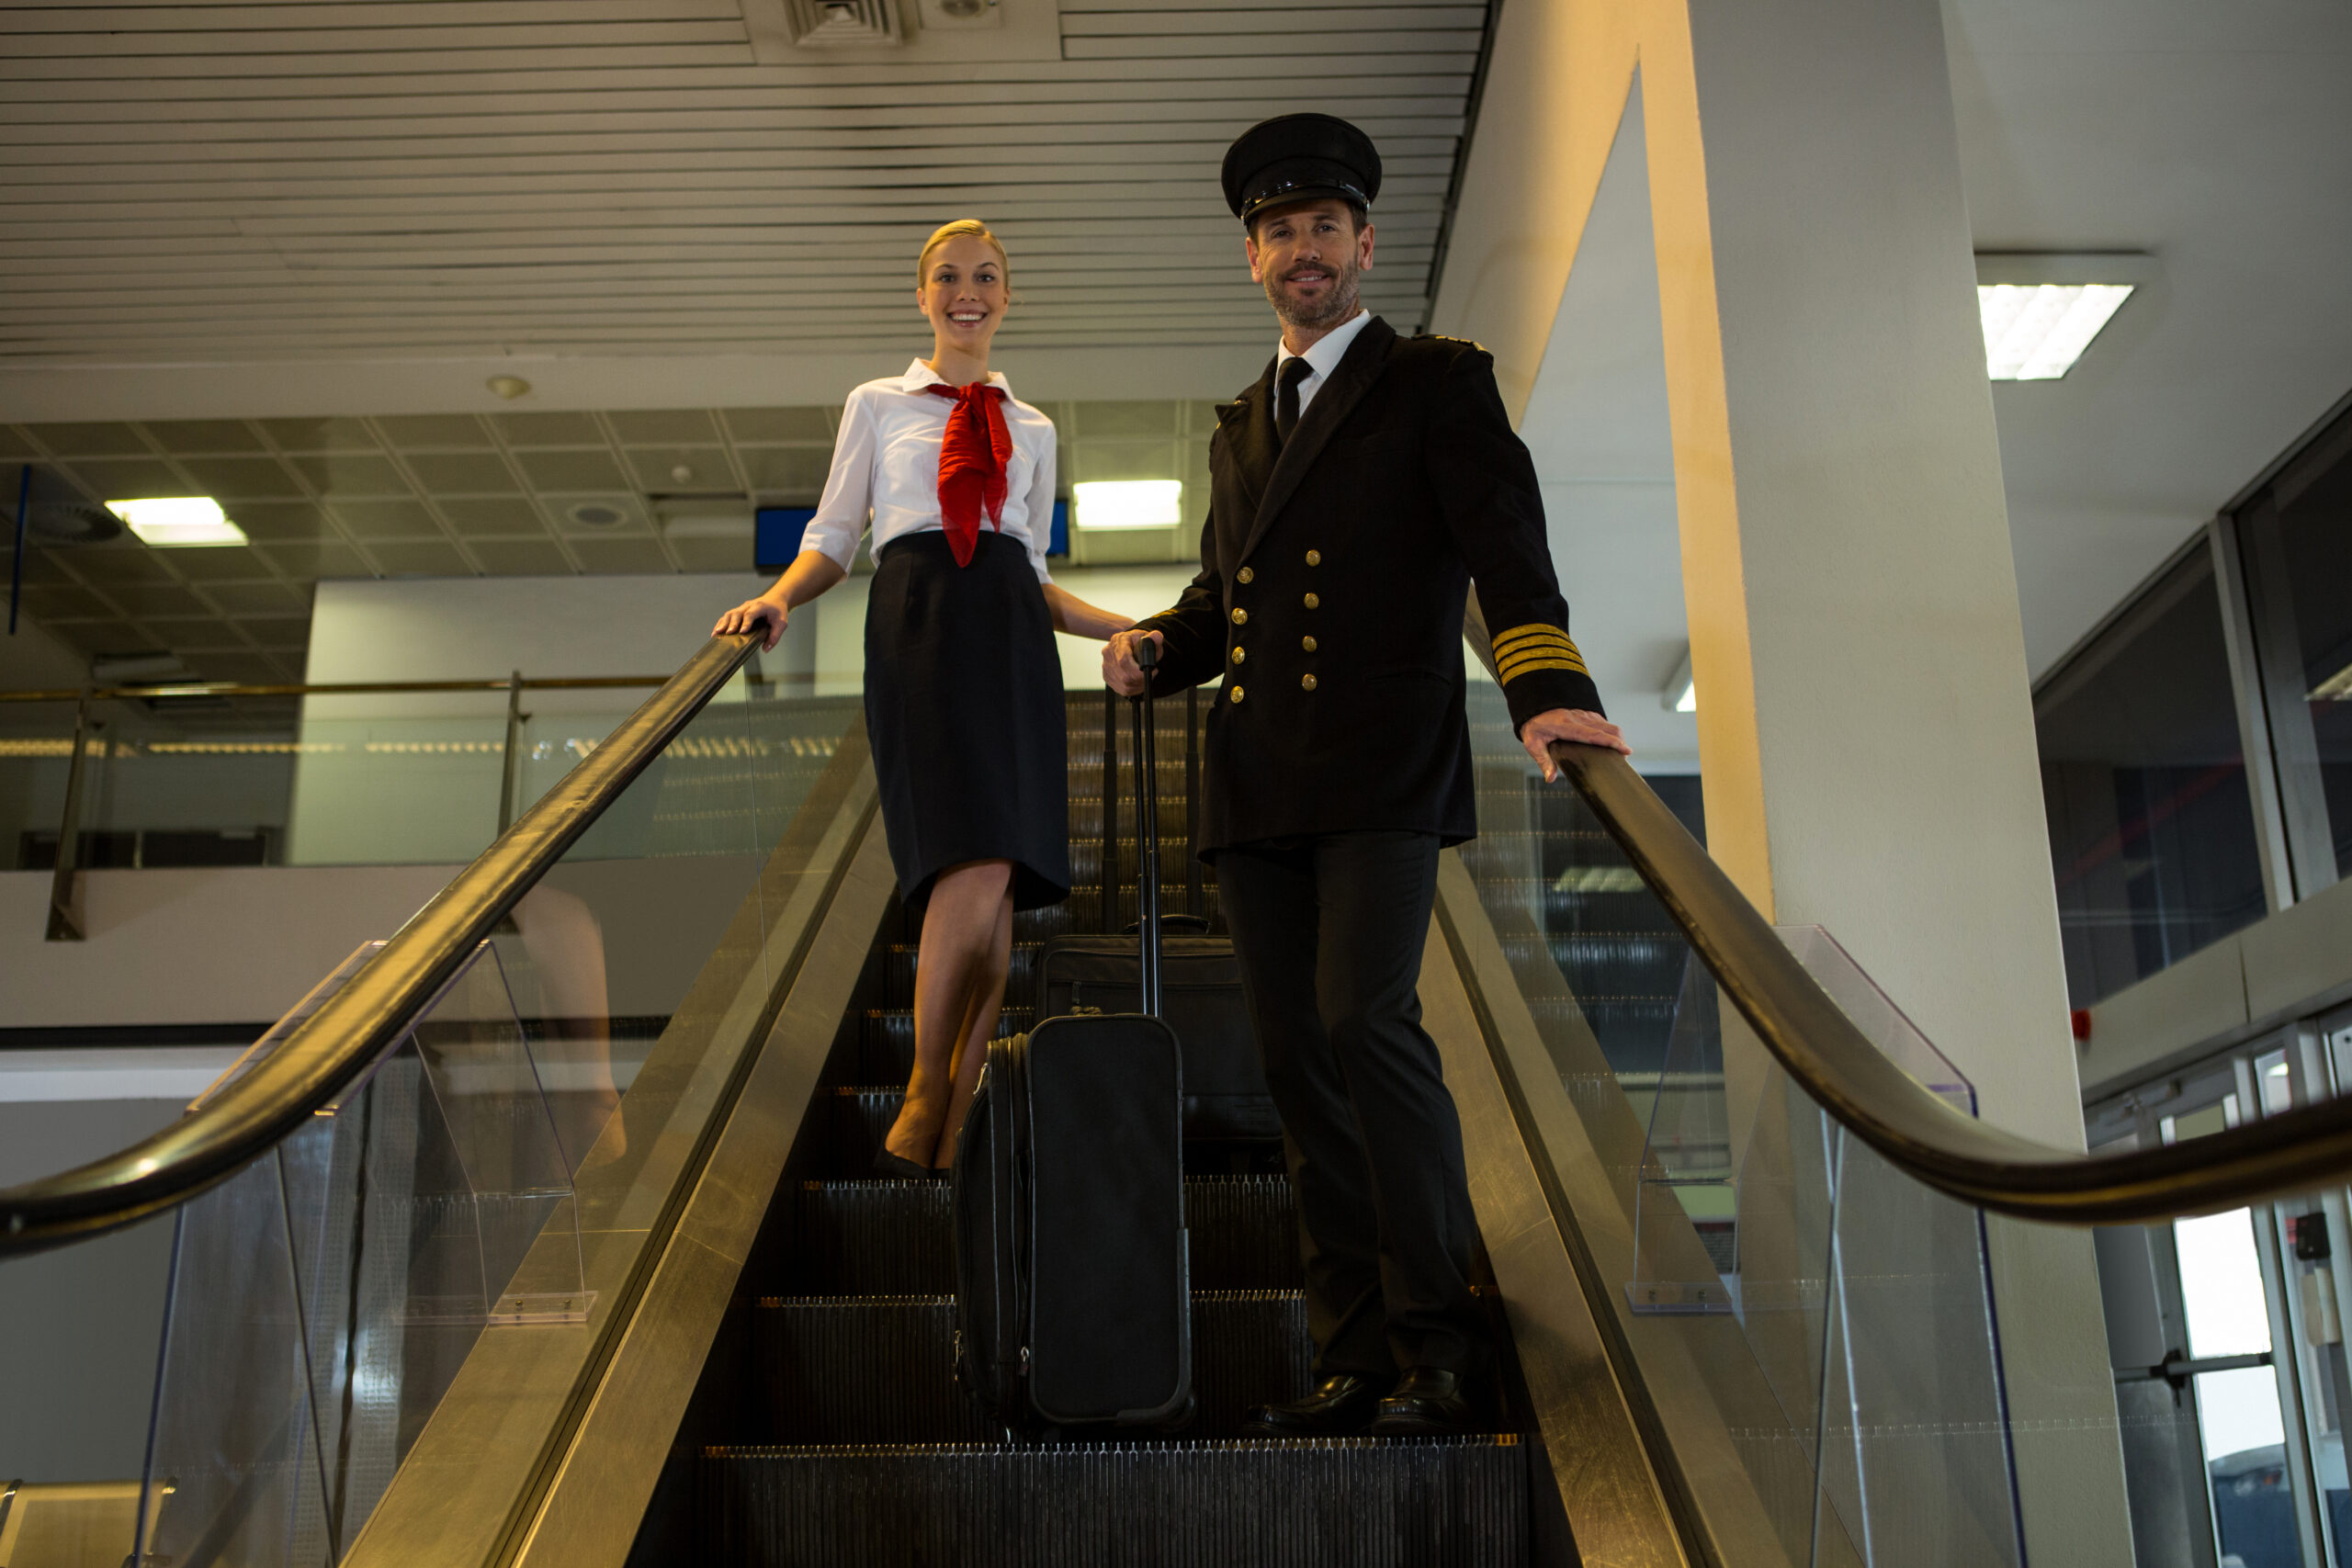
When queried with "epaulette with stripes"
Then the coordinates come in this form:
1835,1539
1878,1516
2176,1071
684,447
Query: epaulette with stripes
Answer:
1535,646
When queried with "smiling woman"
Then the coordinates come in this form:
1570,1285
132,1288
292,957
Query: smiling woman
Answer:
964,683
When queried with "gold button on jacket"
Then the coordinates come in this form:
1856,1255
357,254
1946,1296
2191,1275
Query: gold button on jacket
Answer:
1245,575
1234,694
1240,654
1240,616
1314,558
1307,643
1307,680
1312,600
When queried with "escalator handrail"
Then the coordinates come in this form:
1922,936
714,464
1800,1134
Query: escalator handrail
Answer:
1834,1063
374,1010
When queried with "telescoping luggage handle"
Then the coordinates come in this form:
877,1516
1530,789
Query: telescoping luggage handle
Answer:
1147,833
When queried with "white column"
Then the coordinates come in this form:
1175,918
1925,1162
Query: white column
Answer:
1865,726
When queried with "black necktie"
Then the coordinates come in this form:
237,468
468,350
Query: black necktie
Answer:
1286,401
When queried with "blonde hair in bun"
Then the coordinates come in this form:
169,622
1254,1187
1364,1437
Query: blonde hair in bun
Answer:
957,229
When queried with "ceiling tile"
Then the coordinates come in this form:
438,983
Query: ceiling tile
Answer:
685,427
239,479
787,471
548,429
122,563
414,431
126,479
510,517
349,473
520,558
571,470
145,599
246,669
714,555
696,468
45,565
178,436
319,562
1124,418
276,631
14,446
60,602
89,440
415,557
616,556
386,519
264,520
463,473
192,631
256,599
227,564
591,515
320,435
781,425
103,636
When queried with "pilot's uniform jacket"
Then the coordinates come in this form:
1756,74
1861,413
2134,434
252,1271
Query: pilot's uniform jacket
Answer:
1334,571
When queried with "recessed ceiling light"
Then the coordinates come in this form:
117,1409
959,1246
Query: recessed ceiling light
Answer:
2036,332
178,520
1130,503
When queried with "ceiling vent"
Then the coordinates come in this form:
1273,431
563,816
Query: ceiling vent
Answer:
56,513
844,24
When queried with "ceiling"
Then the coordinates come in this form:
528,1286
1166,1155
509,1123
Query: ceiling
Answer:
454,495
234,183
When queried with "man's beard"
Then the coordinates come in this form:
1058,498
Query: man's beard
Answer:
1337,304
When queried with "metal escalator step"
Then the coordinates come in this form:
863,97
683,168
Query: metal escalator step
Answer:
881,1368
861,1120
884,1238
1353,1502
885,1046
1175,820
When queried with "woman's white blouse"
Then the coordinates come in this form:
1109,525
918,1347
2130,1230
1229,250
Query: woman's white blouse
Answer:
887,460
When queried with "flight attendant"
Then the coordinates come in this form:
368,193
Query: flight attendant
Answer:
963,684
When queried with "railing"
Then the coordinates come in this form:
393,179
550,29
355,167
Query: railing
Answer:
1838,1067
354,1026
244,751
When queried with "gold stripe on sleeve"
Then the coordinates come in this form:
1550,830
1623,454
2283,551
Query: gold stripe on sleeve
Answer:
1514,671
1534,631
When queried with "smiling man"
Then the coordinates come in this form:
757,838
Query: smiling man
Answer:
1357,488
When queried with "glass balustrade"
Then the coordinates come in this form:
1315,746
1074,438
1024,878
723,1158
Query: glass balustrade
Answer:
1838,1313
496,1171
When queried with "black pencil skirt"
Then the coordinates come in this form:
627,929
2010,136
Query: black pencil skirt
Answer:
964,705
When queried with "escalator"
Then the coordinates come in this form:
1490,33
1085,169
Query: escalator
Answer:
471,1270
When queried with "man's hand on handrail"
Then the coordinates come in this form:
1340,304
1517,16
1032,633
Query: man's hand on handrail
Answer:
1539,733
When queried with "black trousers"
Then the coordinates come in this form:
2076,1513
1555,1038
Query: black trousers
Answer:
1330,932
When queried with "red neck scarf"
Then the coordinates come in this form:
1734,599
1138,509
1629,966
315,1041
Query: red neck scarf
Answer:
972,456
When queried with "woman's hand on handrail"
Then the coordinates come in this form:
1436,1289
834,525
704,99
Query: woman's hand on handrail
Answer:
810,573
1539,734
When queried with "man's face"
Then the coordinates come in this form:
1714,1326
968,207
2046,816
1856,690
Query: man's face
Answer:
1307,256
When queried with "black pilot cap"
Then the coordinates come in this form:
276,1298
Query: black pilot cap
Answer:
1299,157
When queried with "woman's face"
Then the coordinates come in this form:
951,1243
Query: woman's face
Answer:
964,293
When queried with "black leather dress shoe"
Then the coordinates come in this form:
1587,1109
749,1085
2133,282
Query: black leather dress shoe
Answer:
1339,1408
1427,1403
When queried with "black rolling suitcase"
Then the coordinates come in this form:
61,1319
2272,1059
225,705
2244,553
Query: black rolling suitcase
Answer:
1073,1295
1201,998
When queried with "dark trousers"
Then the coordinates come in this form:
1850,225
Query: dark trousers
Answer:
1329,930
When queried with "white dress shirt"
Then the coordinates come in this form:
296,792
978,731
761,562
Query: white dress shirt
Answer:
886,460
1322,357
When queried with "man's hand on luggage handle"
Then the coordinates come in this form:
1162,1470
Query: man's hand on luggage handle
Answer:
1567,724
1120,670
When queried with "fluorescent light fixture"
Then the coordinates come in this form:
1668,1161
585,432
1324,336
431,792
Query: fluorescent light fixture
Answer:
178,520
1680,692
2036,332
1130,503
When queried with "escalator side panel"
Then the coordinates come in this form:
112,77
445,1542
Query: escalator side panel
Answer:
505,1444
1639,1423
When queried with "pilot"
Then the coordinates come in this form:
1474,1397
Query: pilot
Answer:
1357,488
